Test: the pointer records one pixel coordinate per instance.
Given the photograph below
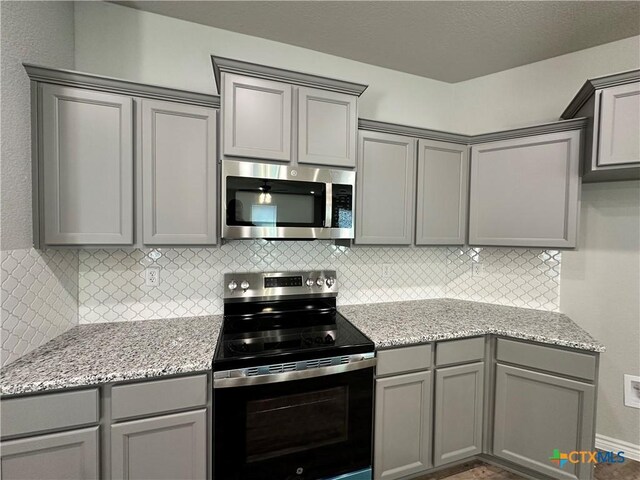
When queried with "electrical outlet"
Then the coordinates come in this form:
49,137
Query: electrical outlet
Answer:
632,391
152,276
477,270
386,270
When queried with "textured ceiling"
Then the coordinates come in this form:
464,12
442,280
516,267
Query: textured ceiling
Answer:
449,41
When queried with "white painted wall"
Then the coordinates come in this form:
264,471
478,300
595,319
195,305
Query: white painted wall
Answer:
39,288
122,42
538,92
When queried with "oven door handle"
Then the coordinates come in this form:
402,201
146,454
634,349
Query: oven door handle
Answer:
295,375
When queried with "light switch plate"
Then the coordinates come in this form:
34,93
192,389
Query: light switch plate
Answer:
632,391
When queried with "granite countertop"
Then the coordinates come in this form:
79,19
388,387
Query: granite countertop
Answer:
405,323
112,352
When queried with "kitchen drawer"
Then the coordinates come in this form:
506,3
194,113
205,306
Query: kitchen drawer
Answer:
460,351
149,398
405,359
47,412
564,362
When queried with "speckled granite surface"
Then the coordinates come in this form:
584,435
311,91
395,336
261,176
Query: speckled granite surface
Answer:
112,352
405,323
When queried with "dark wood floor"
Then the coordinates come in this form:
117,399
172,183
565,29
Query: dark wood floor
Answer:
629,470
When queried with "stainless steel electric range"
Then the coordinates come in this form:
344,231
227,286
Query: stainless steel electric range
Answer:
293,382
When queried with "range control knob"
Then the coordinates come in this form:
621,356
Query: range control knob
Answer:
233,285
320,281
244,285
309,282
331,282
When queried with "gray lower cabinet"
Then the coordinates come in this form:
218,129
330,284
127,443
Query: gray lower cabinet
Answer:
385,189
402,443
161,448
458,412
443,188
71,455
84,180
327,127
525,191
536,413
178,174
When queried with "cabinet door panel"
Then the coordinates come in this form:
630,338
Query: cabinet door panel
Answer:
458,413
536,413
385,181
443,186
161,448
402,425
328,125
619,135
257,118
179,173
69,455
87,156
525,192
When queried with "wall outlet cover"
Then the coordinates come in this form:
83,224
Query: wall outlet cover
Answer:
387,270
632,391
477,270
152,276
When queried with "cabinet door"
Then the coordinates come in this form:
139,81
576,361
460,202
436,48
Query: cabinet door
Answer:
327,128
69,455
619,130
535,414
402,425
178,173
87,167
443,186
458,413
385,189
160,448
256,118
525,192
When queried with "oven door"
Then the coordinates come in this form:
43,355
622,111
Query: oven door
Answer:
312,428
276,201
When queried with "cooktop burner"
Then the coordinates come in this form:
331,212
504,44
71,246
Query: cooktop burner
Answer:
281,318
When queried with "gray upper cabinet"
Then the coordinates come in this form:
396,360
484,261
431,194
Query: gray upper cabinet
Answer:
71,455
612,142
536,413
178,174
619,126
385,189
525,191
443,186
161,448
458,413
256,118
402,443
274,114
327,127
86,167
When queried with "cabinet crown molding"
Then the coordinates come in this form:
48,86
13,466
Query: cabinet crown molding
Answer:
229,65
74,78
459,138
593,84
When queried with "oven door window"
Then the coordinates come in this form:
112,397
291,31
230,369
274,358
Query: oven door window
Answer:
288,424
275,203
321,427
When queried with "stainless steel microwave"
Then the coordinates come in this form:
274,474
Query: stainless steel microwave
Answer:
286,202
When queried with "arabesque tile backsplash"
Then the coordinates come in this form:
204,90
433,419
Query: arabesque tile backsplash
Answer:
112,287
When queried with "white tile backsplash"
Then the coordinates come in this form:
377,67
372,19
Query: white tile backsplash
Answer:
39,291
112,287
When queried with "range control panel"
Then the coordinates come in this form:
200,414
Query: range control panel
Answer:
275,284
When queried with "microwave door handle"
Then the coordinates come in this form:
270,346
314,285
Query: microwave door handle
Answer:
230,382
328,205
